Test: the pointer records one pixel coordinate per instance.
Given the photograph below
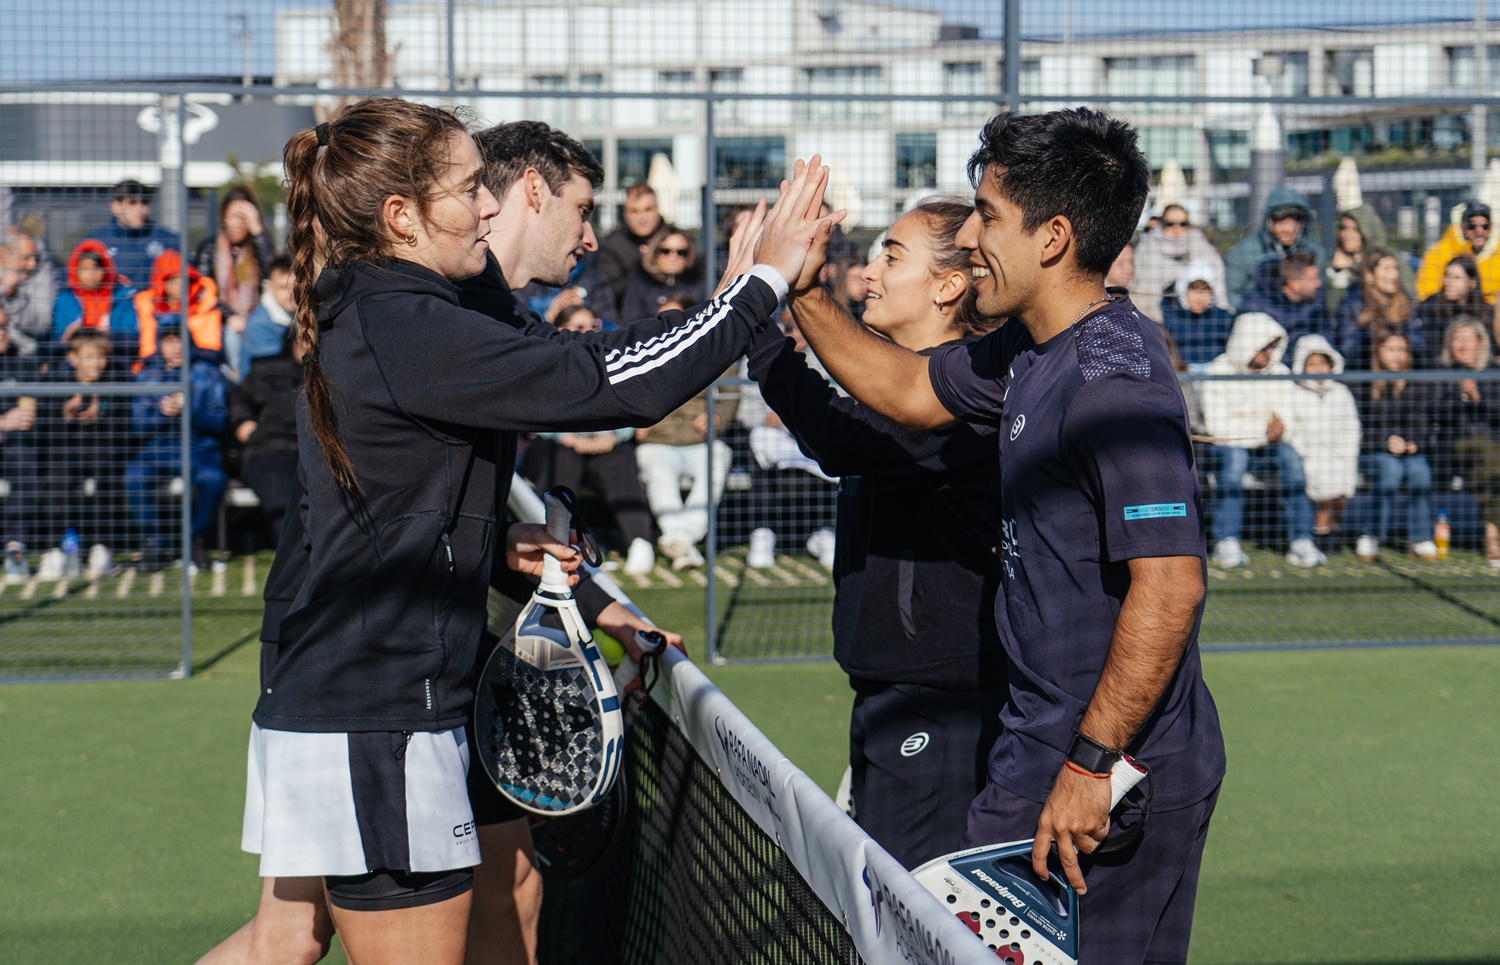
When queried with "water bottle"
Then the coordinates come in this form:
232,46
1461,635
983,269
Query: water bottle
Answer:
1441,534
72,569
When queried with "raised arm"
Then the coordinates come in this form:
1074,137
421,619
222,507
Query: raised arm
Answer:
884,376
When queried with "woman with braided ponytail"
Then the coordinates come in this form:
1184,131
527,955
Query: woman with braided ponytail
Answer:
357,752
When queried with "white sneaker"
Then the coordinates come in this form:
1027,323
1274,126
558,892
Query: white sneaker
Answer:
762,555
50,569
100,562
640,559
689,560
1227,554
1367,548
1305,553
821,544
1425,550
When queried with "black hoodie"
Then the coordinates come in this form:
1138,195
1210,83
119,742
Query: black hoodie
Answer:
918,521
385,629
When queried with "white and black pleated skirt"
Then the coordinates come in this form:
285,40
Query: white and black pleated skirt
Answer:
349,803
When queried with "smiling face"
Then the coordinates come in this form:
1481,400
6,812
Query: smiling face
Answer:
1464,346
672,255
451,238
1477,231
88,361
1005,260
902,283
1351,240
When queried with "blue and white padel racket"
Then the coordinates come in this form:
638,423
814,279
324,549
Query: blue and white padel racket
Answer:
993,889
547,718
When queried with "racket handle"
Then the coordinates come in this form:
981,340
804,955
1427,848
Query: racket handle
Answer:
627,671
559,523
1125,775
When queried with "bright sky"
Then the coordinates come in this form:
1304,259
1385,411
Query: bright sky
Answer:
57,40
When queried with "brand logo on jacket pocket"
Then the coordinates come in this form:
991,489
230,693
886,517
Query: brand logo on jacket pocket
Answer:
915,744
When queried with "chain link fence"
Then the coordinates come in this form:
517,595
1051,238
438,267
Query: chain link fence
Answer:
151,126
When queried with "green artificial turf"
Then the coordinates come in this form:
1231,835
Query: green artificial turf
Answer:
1358,824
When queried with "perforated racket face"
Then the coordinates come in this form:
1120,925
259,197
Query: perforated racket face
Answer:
540,733
992,891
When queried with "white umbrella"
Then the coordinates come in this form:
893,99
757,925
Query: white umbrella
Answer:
1172,187
662,178
1346,193
842,193
1489,190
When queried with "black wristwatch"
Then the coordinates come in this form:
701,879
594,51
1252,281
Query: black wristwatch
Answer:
1092,756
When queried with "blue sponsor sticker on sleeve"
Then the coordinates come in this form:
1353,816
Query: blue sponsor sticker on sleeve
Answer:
1155,510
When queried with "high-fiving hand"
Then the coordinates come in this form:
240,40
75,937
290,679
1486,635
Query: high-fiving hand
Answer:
796,227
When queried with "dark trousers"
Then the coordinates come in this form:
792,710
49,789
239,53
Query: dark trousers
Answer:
19,467
156,464
271,478
918,757
1479,460
1139,906
612,473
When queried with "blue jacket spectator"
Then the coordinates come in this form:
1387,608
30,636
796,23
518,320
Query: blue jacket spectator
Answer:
586,286
133,239
95,298
1283,231
156,419
1289,291
1199,327
265,331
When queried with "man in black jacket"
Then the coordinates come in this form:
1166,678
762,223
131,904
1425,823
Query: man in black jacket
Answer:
619,257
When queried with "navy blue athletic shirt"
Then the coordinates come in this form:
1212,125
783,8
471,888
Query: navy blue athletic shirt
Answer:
1096,469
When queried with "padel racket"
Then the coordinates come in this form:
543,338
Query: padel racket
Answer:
995,891
546,714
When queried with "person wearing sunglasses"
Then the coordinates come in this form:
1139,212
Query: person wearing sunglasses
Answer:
1284,229
1470,232
669,265
1162,255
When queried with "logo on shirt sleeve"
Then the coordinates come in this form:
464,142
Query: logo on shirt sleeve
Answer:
1155,510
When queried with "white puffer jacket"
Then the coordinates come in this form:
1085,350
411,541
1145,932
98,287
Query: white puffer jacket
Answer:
1237,412
1327,425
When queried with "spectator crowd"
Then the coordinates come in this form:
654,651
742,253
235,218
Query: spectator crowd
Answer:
89,475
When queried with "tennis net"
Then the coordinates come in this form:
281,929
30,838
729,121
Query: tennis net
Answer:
729,853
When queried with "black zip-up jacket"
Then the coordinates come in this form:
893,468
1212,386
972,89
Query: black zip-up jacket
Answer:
918,521
1408,415
268,397
385,628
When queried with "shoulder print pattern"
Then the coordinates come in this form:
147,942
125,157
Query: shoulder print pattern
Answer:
1111,342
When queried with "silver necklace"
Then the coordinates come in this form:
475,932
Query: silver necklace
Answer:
1090,307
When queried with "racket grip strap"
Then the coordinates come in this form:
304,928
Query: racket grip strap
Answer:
1125,775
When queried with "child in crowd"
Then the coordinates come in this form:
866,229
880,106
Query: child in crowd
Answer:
1325,421
205,321
156,422
265,331
1198,327
86,440
95,298
263,412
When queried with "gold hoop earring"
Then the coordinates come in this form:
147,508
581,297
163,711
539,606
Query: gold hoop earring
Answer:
411,239
938,304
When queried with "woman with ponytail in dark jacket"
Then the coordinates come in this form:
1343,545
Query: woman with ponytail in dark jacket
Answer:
358,758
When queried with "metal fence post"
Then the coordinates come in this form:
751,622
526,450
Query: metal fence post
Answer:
711,543
186,381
